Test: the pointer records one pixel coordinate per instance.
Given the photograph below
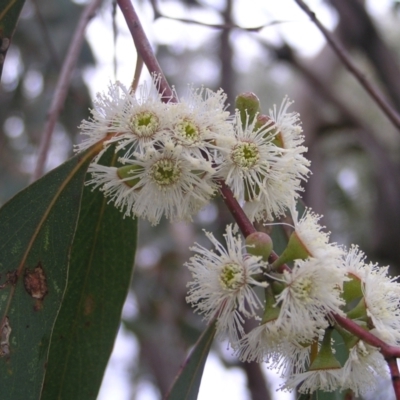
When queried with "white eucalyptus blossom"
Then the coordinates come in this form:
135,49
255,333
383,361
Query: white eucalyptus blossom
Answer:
363,369
314,240
209,108
287,127
199,119
286,173
312,291
292,358
381,295
223,283
130,119
327,380
105,117
161,181
261,343
248,159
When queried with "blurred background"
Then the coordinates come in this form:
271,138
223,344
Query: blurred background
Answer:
353,147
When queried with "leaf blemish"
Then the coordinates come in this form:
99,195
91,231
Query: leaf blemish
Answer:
11,279
46,239
88,305
5,337
36,284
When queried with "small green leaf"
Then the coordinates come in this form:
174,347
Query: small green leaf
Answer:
37,228
187,383
102,259
9,14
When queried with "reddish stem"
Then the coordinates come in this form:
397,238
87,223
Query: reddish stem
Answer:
394,372
245,226
143,46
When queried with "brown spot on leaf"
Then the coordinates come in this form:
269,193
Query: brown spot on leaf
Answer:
36,284
11,279
88,305
5,332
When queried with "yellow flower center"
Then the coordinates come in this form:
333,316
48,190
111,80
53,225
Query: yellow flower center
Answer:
188,130
144,124
166,172
245,155
231,277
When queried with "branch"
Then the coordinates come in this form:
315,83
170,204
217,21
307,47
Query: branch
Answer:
61,89
226,26
245,226
46,36
393,116
143,47
395,374
357,29
256,381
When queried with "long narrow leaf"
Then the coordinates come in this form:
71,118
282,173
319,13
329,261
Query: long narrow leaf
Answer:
187,383
101,266
9,14
36,232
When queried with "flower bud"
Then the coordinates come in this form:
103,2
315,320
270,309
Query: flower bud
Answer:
271,130
248,105
259,244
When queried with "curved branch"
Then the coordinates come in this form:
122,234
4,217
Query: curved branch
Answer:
393,116
357,29
143,46
229,25
61,89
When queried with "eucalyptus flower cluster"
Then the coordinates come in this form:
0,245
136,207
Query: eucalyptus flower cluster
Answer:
171,155
289,306
172,152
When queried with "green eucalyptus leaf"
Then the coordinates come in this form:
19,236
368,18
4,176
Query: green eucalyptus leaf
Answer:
36,232
9,14
187,383
101,266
